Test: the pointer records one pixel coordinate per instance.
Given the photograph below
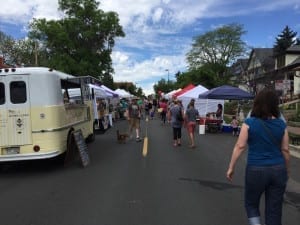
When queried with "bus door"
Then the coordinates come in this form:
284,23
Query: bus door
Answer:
15,122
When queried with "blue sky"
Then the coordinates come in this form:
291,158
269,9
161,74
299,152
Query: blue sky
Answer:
159,33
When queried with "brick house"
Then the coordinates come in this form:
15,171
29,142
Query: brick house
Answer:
2,64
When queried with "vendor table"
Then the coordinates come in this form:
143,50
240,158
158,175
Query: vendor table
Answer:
212,125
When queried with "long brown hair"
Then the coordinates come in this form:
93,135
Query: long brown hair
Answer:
266,104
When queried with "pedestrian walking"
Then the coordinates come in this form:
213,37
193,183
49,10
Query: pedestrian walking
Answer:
163,107
134,116
146,107
268,159
191,115
175,116
151,112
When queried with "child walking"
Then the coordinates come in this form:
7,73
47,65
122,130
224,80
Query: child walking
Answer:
235,126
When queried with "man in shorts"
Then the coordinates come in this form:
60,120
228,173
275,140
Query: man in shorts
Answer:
134,117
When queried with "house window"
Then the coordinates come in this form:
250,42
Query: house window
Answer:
18,92
281,61
2,94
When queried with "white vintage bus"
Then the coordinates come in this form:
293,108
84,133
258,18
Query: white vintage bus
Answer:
37,117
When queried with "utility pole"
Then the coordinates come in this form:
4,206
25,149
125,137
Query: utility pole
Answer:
35,53
168,75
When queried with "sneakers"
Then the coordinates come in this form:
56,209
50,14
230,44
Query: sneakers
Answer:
138,139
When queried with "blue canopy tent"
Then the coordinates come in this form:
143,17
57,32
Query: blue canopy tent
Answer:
226,92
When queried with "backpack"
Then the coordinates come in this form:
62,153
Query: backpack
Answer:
179,116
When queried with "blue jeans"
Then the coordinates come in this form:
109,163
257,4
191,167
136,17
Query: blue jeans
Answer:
270,180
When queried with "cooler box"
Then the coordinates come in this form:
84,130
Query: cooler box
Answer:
227,129
201,129
201,122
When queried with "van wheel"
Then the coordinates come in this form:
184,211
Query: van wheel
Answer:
69,153
70,141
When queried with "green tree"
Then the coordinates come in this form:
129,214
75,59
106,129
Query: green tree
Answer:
164,86
17,52
6,47
216,49
81,43
284,40
134,90
26,52
205,76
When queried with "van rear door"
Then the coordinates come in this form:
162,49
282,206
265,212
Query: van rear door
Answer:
15,123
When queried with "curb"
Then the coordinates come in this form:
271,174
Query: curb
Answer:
295,150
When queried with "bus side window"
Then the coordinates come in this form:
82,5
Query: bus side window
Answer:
18,93
66,97
2,94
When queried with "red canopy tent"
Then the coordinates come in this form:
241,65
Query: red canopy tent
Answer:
185,89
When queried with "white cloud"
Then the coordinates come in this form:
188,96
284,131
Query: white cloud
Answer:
157,15
22,11
133,71
147,72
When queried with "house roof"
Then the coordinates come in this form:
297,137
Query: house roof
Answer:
264,56
239,67
295,49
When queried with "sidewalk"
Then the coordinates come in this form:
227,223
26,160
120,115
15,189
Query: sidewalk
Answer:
294,130
294,149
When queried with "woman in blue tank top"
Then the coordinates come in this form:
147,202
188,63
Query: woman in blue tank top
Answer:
268,158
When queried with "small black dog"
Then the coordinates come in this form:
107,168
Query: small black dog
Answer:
121,137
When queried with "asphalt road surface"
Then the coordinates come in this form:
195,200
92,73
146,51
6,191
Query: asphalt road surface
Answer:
136,183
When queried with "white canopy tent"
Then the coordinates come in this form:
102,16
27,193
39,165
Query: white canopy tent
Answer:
170,94
113,96
99,91
193,93
203,105
123,94
110,92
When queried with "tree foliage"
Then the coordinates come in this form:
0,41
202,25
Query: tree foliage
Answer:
284,40
211,54
217,47
17,52
164,86
6,45
205,76
81,43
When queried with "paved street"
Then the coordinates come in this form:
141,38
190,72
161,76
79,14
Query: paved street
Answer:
167,186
